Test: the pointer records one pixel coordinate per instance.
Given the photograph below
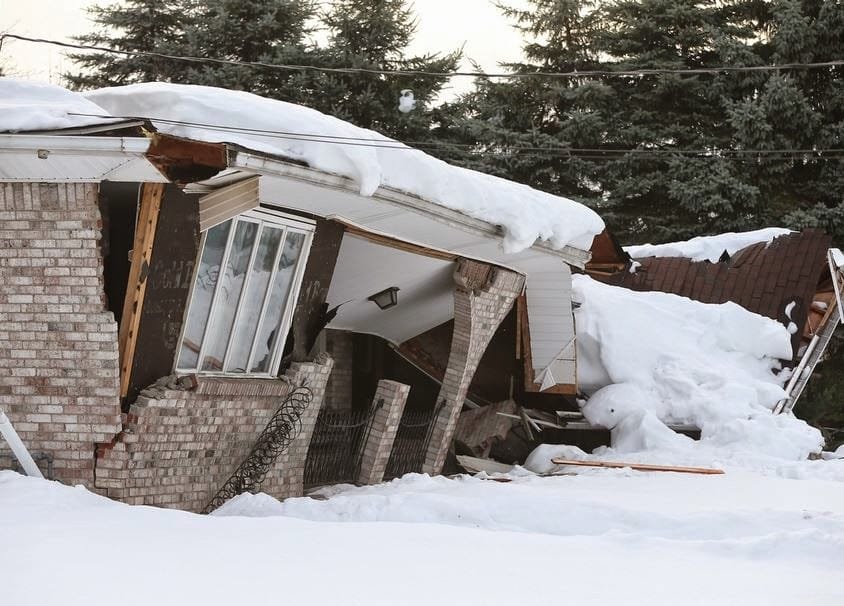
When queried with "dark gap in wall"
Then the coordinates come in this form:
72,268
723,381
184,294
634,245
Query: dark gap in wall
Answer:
118,207
174,253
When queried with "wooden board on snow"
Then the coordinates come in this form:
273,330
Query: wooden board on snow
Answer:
639,466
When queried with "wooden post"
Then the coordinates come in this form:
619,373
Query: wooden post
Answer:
151,195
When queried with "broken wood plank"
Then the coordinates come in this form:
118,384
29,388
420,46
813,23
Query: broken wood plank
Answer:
639,466
536,421
476,465
150,205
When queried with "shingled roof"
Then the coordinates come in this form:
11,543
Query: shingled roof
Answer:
763,278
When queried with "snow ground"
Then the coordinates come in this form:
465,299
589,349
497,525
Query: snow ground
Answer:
603,536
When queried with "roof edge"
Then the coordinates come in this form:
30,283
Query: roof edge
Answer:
270,165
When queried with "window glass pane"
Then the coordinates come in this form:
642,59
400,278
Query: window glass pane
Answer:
253,299
228,295
279,290
203,293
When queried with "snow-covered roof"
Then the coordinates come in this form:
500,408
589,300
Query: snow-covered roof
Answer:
34,106
370,159
707,248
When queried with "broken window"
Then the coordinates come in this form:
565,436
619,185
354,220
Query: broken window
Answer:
243,295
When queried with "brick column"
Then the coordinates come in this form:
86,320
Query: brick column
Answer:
483,296
390,398
287,479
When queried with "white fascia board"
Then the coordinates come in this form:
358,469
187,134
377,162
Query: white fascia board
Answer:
265,165
75,144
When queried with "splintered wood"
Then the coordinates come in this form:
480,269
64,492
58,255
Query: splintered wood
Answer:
639,466
151,195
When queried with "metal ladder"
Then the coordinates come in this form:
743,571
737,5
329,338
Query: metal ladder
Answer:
810,359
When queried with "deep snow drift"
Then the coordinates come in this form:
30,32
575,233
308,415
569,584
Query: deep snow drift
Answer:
367,157
649,358
615,537
707,248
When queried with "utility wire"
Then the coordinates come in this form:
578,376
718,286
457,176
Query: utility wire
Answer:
411,73
473,150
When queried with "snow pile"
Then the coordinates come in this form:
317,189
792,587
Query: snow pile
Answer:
370,159
764,540
707,248
34,106
650,358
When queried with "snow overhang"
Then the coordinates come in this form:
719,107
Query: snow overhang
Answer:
365,210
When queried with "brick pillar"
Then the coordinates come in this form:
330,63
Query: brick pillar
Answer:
390,398
288,480
483,296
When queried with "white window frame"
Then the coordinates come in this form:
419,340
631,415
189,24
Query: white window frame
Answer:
261,216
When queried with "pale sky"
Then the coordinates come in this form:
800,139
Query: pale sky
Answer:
444,25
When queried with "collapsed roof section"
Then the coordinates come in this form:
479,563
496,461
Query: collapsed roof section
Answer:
791,277
778,280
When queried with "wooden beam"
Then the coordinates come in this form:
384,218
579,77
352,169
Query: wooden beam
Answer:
639,466
151,195
388,241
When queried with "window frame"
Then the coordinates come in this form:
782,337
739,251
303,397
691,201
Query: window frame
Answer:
261,216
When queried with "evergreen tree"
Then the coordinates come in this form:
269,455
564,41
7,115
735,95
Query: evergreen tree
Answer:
508,123
252,31
374,35
133,25
660,191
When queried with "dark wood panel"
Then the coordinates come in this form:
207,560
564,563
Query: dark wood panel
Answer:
170,273
310,315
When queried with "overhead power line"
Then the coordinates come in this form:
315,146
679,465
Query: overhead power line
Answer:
473,149
421,73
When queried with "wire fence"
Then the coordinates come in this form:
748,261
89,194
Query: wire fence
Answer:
337,446
411,443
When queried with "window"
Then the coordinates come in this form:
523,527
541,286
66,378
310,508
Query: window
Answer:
243,294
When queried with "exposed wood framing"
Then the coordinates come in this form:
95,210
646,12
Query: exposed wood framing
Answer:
186,161
151,195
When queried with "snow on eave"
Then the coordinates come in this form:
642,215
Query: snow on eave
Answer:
371,160
708,248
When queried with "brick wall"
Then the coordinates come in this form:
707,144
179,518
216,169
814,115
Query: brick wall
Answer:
340,346
483,296
480,428
183,438
58,344
390,398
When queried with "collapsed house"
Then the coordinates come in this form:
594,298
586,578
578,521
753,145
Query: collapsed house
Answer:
205,292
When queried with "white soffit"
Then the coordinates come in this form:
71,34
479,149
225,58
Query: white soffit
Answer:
75,159
425,297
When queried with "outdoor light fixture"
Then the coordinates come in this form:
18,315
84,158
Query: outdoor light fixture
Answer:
387,298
